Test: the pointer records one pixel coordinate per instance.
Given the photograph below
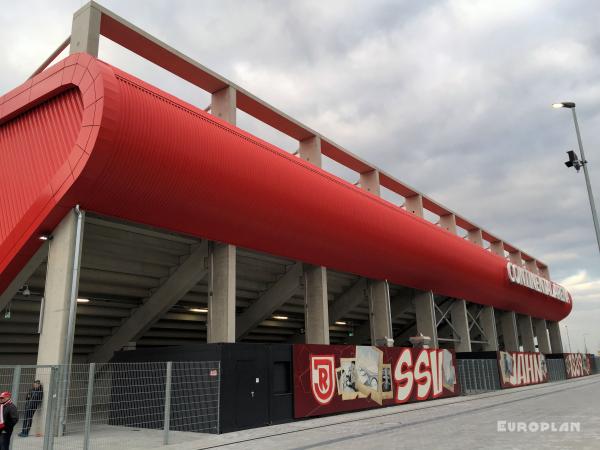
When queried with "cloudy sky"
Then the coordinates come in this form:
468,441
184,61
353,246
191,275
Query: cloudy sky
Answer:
452,97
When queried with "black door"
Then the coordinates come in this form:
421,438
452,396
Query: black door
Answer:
251,395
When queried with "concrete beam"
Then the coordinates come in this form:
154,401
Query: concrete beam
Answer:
541,333
526,332
85,30
316,305
515,258
460,323
21,279
555,337
379,311
369,181
497,248
348,301
222,291
426,318
187,275
310,150
544,272
510,334
531,265
487,319
270,300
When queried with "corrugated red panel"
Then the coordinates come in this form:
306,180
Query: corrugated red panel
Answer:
154,159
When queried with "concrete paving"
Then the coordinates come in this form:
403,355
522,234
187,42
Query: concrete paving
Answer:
452,423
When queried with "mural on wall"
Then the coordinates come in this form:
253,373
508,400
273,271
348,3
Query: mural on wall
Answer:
578,364
522,368
335,378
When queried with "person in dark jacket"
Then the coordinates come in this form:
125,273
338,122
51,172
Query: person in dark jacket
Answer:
33,401
9,417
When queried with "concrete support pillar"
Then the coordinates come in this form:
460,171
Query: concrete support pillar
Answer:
541,333
544,272
414,205
221,307
310,150
316,307
487,320
515,258
526,332
531,265
221,296
426,319
497,248
60,292
509,331
369,181
380,312
460,322
448,222
223,104
85,31
475,236
555,337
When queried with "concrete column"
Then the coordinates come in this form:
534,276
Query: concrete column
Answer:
369,181
541,333
460,322
310,150
531,266
526,332
414,205
544,272
448,222
475,236
223,104
380,311
515,258
497,248
487,319
426,319
509,331
555,337
221,298
62,287
221,307
85,30
316,307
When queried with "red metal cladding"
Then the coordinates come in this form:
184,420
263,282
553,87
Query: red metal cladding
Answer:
143,155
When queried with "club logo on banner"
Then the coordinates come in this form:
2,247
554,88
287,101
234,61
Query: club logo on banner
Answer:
334,378
578,365
522,368
322,379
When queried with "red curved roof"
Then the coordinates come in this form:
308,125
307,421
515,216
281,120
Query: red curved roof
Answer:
84,132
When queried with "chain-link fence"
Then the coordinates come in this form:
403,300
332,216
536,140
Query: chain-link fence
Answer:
130,405
478,375
556,369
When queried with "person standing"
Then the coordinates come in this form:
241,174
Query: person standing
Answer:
9,416
32,403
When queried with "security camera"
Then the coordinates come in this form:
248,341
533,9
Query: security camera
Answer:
26,292
574,161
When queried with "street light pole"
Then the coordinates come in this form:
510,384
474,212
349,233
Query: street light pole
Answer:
568,338
585,343
571,106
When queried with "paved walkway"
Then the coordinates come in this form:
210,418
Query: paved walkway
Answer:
452,423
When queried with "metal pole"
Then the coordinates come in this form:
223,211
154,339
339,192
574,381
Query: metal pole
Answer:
167,419
51,397
587,180
585,343
568,339
88,407
70,338
15,384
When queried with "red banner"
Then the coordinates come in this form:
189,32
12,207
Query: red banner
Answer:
522,368
335,378
578,365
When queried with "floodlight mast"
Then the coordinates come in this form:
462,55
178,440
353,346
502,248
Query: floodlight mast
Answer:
571,106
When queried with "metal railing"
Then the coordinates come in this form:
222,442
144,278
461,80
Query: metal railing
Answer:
116,405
